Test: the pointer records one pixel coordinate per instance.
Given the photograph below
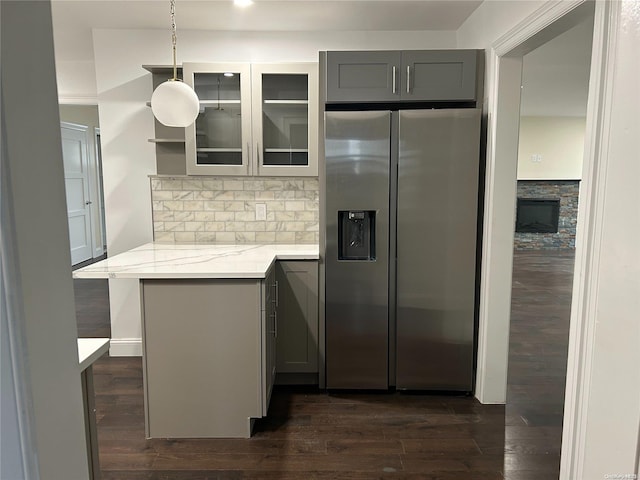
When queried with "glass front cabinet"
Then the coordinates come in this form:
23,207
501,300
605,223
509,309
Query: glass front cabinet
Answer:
285,128
219,141
258,119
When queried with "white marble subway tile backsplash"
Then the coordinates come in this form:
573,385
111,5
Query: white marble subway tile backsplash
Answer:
223,209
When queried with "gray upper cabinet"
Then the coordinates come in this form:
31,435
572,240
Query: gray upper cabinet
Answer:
363,76
439,75
409,75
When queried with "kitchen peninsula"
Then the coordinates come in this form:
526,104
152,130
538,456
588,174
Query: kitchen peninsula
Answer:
209,329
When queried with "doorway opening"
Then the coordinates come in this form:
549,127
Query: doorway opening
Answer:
553,109
83,183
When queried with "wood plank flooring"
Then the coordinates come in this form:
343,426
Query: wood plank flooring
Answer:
539,335
313,435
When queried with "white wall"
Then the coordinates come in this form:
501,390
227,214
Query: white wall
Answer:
556,143
87,115
602,410
35,243
490,21
126,123
76,82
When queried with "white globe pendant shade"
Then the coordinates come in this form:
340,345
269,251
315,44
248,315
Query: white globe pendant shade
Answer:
175,104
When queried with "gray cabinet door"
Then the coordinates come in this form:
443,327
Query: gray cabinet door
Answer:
297,304
363,76
269,336
438,75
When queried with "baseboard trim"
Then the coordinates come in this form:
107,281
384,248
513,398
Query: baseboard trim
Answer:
125,347
296,379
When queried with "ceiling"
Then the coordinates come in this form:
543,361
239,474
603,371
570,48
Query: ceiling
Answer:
555,76
74,19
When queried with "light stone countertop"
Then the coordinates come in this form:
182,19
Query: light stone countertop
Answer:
164,260
90,349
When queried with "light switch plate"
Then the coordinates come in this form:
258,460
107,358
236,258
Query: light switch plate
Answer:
261,211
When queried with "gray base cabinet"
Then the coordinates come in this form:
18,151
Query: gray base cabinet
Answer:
207,357
211,348
297,342
402,76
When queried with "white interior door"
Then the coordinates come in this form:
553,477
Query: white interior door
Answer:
76,179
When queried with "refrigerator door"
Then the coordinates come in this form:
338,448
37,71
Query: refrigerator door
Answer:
357,152
436,248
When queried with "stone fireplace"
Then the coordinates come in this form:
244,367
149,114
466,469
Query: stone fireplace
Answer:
534,231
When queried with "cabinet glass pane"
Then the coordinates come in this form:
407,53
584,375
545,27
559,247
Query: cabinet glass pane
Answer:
219,135
284,87
219,158
285,119
217,86
285,129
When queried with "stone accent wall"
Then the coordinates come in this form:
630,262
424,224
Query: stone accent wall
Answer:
567,192
203,209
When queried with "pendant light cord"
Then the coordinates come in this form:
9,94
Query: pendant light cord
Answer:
174,39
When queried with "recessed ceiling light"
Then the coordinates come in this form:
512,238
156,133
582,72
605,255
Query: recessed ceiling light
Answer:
228,74
242,3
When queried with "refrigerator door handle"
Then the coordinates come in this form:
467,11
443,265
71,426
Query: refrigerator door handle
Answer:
393,79
408,78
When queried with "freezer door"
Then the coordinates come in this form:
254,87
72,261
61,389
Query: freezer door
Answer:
436,248
357,152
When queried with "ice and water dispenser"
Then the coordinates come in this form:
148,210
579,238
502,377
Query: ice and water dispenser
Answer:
356,235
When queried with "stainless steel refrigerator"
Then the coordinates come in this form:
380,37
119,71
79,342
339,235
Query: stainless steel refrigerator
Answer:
400,257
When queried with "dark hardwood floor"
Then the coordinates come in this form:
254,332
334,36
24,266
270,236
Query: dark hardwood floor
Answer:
313,435
539,335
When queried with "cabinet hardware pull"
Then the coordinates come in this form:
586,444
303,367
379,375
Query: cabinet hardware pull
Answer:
408,78
393,79
277,293
88,203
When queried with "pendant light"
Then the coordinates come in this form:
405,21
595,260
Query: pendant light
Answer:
174,103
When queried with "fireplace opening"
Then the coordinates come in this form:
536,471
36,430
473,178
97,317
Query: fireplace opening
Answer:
535,215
